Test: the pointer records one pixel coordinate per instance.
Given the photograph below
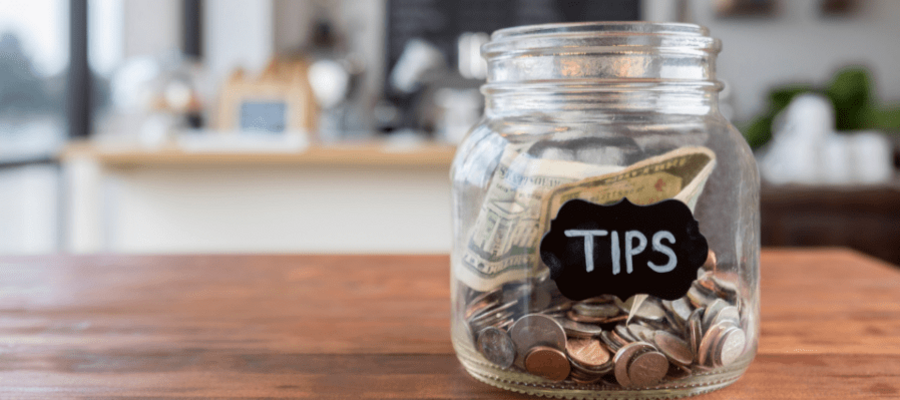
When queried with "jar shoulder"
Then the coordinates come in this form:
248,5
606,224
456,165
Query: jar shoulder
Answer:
618,143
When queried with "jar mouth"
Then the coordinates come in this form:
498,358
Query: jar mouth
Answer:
600,53
604,28
600,37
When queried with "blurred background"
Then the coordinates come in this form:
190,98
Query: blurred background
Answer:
168,126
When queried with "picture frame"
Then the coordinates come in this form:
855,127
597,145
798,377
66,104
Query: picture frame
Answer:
279,100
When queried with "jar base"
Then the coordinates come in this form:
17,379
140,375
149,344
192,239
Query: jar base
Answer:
521,382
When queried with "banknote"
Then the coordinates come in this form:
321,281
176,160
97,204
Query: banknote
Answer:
525,194
680,174
503,242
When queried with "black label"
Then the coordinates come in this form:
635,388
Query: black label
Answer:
624,249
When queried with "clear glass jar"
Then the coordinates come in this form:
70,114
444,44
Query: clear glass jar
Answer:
578,270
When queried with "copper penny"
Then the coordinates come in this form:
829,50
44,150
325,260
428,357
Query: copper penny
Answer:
548,363
623,359
587,352
711,261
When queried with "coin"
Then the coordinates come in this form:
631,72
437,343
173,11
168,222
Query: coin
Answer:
574,316
492,312
711,261
727,313
699,296
591,371
647,368
612,343
537,330
695,333
504,324
622,332
730,347
530,298
602,310
587,352
641,332
711,311
624,357
548,363
682,308
496,345
705,280
650,310
483,301
677,350
725,287
558,308
578,329
501,322
708,344
625,306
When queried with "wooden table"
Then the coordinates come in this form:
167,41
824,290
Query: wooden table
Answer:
104,327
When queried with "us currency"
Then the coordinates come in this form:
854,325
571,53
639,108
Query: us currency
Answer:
680,174
504,239
526,193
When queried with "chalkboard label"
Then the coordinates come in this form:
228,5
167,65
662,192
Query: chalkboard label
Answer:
623,249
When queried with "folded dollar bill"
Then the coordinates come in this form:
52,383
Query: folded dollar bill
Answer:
525,193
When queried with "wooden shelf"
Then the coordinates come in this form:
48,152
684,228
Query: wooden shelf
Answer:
368,154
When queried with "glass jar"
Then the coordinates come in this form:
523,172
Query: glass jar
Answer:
605,217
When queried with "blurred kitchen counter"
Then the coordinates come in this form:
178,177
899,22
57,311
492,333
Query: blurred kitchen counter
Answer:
357,198
353,198
363,154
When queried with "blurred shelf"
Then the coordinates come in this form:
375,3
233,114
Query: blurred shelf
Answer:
863,217
363,154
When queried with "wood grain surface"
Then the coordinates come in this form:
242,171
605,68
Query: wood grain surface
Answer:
297,327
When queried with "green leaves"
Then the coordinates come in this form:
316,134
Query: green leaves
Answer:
854,105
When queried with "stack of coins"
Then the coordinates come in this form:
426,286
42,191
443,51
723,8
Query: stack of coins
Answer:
529,326
599,310
589,358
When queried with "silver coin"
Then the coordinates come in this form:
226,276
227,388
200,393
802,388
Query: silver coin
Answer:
622,331
711,338
725,287
682,308
496,345
531,298
482,302
711,311
727,313
650,310
558,308
623,358
647,368
641,332
609,341
578,329
677,350
536,330
496,320
695,331
492,312
603,310
731,346
699,296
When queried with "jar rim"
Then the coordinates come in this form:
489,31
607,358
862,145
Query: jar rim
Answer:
600,37
603,28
